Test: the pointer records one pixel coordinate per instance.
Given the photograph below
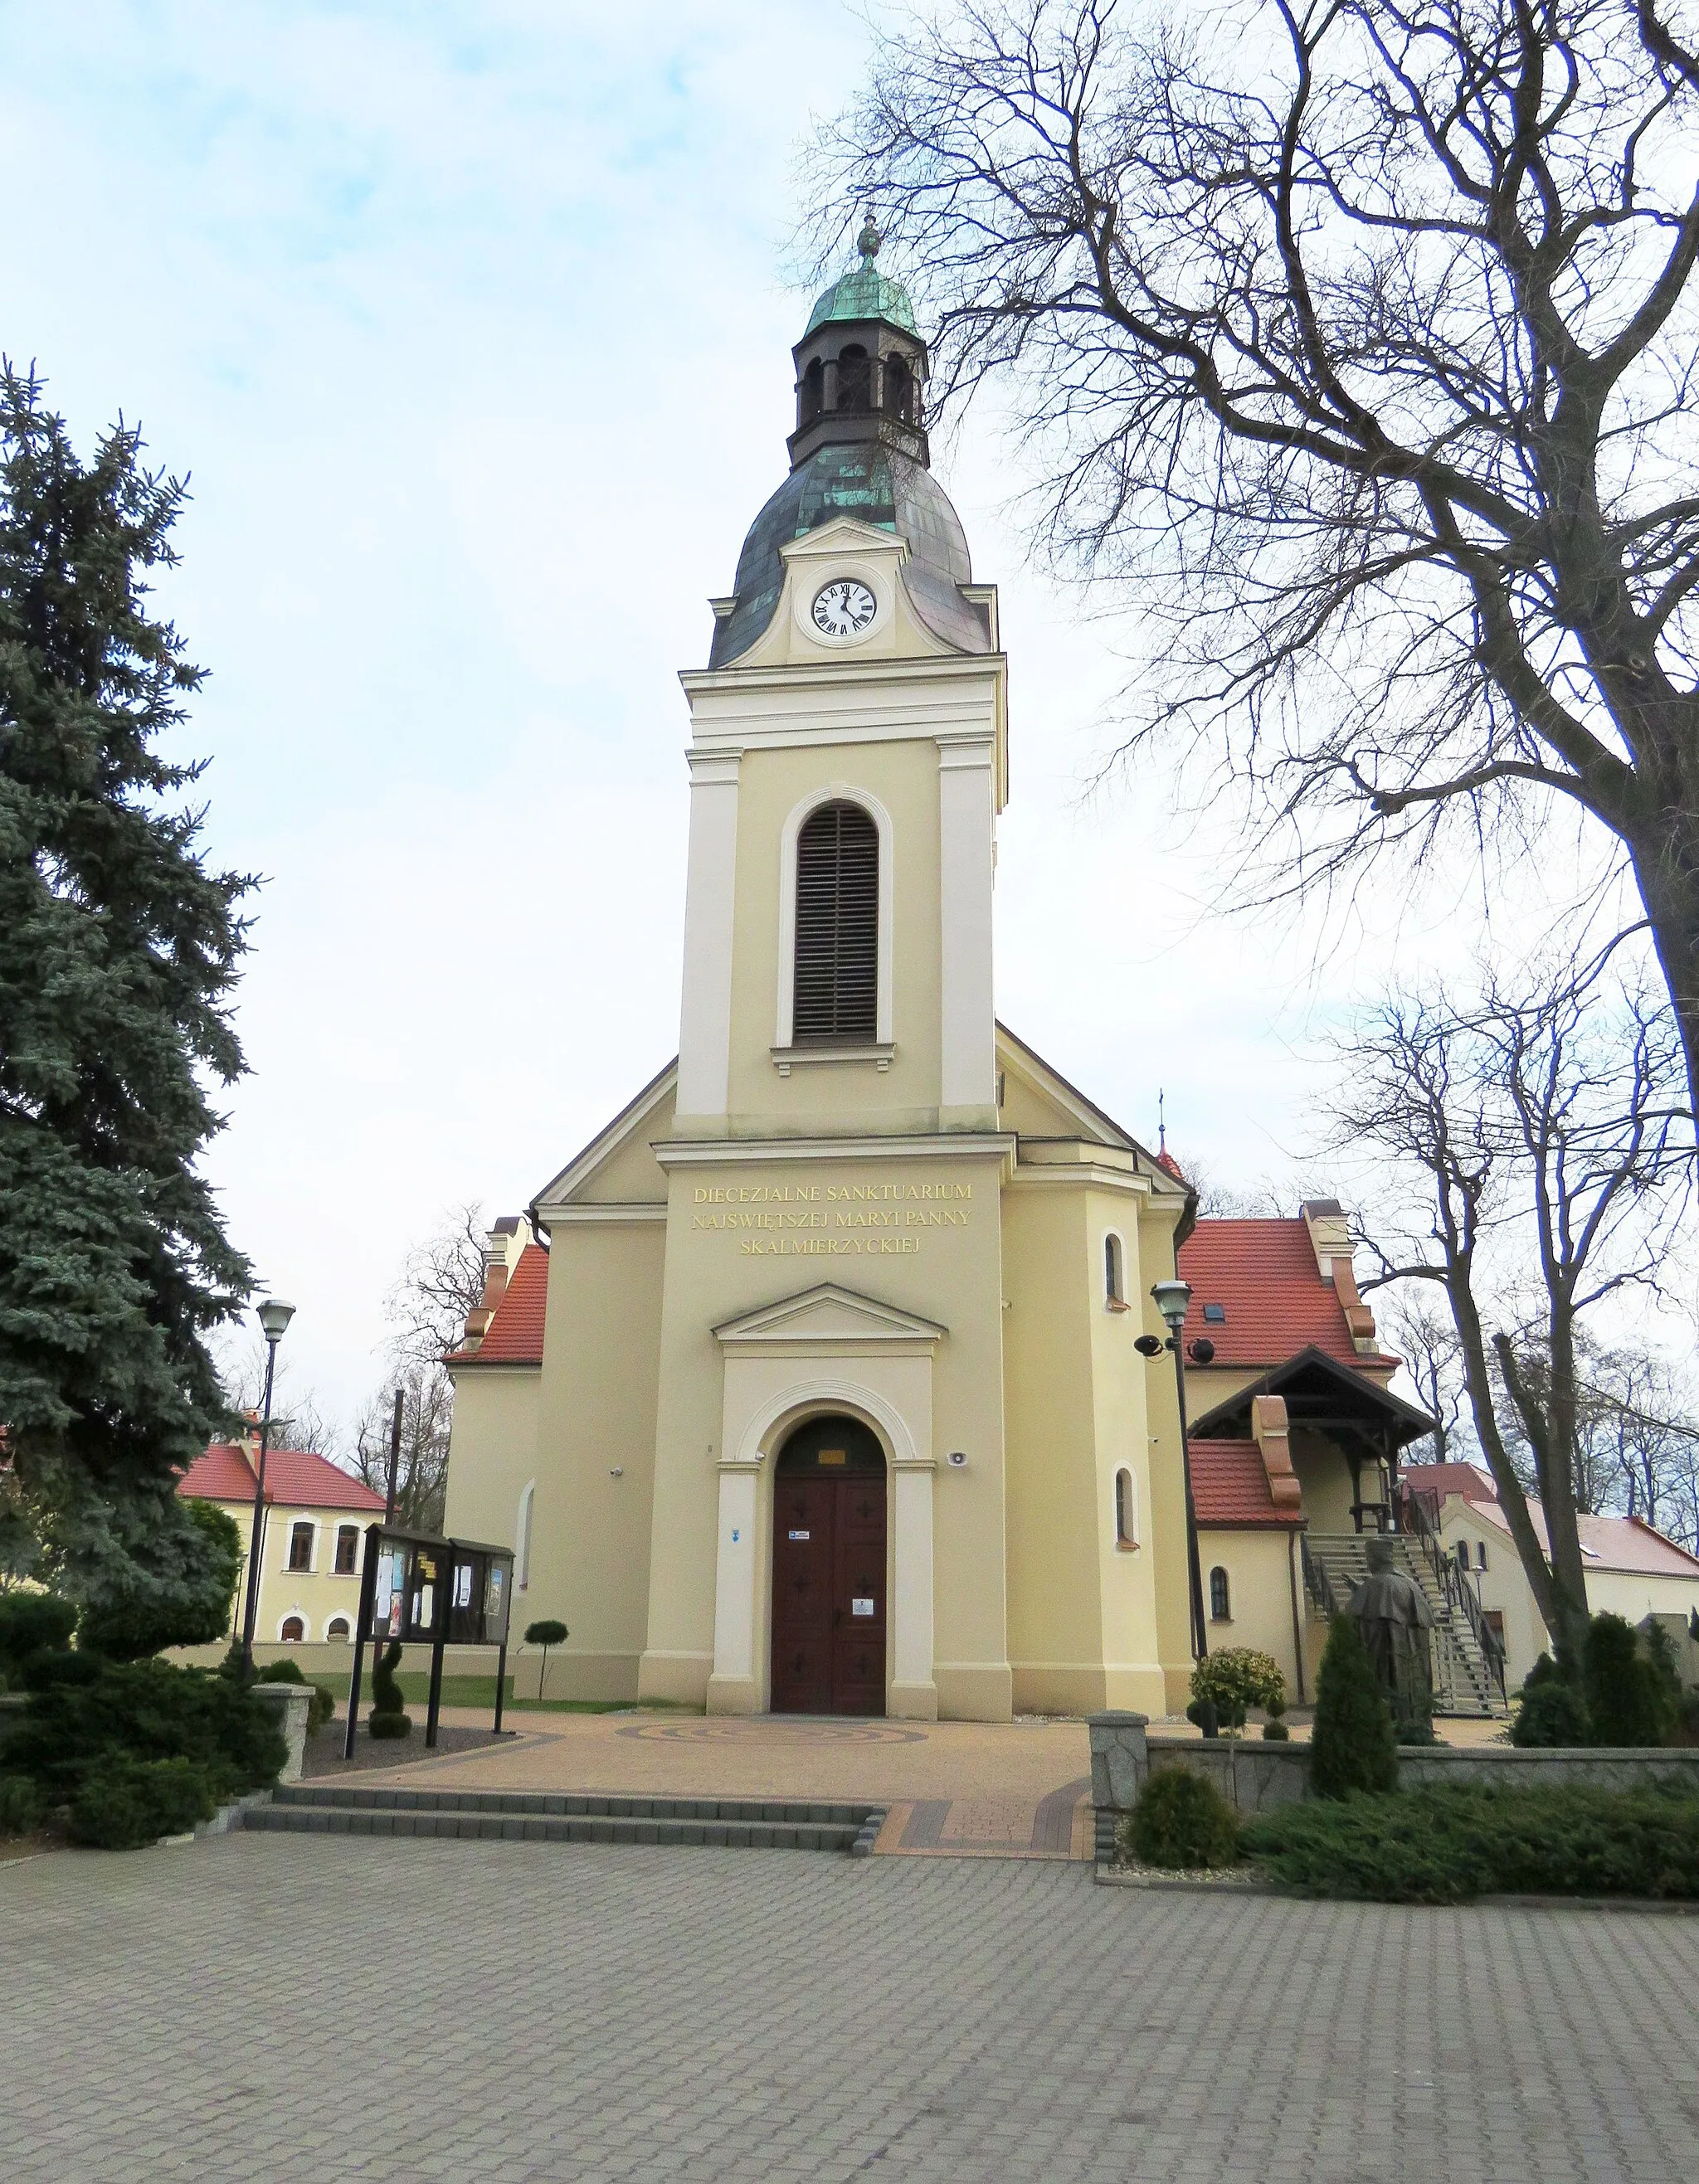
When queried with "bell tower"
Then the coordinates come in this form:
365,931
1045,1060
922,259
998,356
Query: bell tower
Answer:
848,760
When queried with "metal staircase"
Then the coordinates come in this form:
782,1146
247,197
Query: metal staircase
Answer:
1468,1673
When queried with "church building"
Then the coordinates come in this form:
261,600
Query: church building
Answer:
816,1382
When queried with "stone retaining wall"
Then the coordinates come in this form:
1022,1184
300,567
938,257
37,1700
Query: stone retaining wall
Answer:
1252,1775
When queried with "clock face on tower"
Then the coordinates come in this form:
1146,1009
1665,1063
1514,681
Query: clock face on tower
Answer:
844,607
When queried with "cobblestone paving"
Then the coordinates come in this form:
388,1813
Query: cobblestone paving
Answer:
279,2008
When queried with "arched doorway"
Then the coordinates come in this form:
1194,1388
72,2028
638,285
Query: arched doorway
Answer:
828,1619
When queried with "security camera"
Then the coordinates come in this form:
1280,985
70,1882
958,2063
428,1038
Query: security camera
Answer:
958,1458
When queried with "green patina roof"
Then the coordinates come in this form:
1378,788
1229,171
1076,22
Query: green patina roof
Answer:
865,293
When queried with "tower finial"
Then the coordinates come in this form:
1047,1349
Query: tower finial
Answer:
868,241
1162,1122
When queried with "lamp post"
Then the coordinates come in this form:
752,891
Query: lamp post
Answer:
1172,1300
274,1316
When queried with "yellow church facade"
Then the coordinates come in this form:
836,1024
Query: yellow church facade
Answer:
812,1383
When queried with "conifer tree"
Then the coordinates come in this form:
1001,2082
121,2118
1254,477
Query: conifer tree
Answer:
118,949
1351,1745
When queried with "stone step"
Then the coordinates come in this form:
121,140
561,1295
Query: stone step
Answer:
542,1816
1463,1683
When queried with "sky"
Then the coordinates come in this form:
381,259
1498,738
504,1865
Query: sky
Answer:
472,327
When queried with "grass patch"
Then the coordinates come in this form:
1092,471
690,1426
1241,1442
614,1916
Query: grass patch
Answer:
1448,1844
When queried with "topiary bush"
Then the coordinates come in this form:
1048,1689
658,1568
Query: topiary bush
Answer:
322,1704
126,1803
1352,1747
1626,1698
1447,1845
1553,1714
388,1717
1274,1729
1182,1820
545,1634
190,1606
33,1622
1235,1680
21,1809
1201,1714
145,1711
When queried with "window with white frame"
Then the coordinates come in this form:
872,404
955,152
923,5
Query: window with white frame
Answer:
521,1537
348,1550
337,1631
301,1544
1220,1596
1114,1271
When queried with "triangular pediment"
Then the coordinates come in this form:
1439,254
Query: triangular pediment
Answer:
829,1314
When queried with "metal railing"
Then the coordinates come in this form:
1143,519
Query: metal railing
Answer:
1460,1596
1316,1584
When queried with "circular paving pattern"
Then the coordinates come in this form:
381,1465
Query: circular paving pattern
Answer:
730,1729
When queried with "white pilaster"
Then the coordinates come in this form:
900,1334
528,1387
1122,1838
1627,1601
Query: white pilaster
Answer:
705,1031
913,1690
734,1686
965,806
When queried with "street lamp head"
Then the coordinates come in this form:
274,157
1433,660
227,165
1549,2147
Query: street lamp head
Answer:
274,1316
1172,1300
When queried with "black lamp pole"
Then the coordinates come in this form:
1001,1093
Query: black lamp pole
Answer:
274,1316
1172,1300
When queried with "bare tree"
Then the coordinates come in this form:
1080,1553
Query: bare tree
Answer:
1546,1135
441,1280
427,1404
1361,335
298,1419
1417,1328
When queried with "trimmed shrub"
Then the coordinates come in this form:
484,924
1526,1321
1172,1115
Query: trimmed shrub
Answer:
1181,1820
191,1608
32,1623
1447,1845
1235,1680
323,1704
145,1711
1627,1704
21,1810
1553,1714
545,1634
48,1671
126,1803
1274,1729
1202,1715
388,1717
1352,1747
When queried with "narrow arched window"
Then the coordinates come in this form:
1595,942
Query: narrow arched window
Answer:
837,982
337,1629
813,391
1220,1599
855,378
1126,1510
1480,1554
294,1631
1114,1289
301,1547
899,390
1463,1554
348,1550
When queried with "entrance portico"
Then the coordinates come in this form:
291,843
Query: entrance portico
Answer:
825,1352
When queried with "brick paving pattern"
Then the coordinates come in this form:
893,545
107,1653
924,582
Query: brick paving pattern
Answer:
274,2009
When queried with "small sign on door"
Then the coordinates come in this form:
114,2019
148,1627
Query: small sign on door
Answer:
861,1608
798,1536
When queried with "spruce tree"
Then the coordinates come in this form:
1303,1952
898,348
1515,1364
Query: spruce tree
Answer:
119,949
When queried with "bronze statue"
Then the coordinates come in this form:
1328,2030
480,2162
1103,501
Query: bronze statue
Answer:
1393,1619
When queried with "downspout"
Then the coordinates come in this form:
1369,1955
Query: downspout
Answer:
1297,1618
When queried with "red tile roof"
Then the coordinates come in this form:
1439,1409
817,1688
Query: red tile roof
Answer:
1608,1543
1230,1486
514,1334
295,1478
1264,1273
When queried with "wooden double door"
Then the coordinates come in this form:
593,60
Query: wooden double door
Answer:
828,1608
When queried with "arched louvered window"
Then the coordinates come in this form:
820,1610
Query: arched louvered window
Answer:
836,989
855,378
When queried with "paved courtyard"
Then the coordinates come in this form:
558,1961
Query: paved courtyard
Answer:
274,2008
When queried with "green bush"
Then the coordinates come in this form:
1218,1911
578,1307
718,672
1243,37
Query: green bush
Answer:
48,1671
1202,1715
1553,1714
1182,1819
20,1806
33,1622
125,1803
1235,1680
1626,1698
190,1608
388,1717
1448,1844
322,1705
1352,1747
145,1711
